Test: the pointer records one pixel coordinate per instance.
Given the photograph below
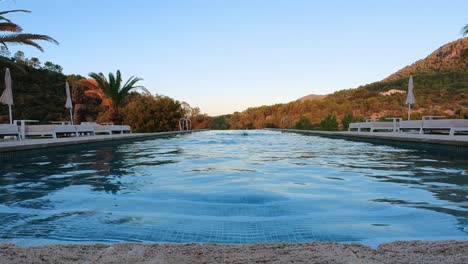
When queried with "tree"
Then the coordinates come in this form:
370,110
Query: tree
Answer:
58,68
16,36
347,119
52,67
147,113
221,122
19,57
35,63
465,30
4,52
112,91
303,123
329,123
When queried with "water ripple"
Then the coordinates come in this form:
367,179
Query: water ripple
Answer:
220,186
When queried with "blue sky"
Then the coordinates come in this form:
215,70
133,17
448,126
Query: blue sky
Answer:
226,55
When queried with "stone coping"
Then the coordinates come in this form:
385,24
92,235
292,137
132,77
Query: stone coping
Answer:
42,143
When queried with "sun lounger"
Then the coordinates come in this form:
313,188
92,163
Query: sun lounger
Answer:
49,130
101,129
451,125
121,129
108,128
40,130
373,126
382,126
10,130
411,125
66,130
86,129
360,126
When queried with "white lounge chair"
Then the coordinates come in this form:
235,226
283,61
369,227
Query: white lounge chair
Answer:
98,128
451,125
84,128
360,126
66,130
383,126
411,125
10,130
49,130
373,126
40,130
121,129
108,128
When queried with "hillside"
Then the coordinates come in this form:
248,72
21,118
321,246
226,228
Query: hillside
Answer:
441,88
311,97
444,59
38,94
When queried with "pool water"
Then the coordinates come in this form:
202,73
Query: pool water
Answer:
225,187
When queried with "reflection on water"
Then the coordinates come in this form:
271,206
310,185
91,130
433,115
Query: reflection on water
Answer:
228,188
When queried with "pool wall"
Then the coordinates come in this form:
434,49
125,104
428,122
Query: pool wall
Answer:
31,144
439,143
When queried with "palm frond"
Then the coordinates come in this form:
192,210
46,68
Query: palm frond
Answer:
37,37
88,83
34,44
14,11
129,86
465,30
11,27
26,39
2,18
101,82
112,86
93,93
132,81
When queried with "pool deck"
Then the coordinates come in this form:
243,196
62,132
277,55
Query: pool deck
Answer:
457,140
41,143
427,252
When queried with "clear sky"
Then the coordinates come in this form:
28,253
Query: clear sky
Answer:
227,55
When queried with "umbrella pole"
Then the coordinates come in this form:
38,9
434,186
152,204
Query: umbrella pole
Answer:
71,116
409,112
11,116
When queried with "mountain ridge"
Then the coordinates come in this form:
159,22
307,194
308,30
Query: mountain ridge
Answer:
444,59
441,88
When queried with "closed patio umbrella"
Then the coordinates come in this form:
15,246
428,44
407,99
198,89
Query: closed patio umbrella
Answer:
69,104
410,97
7,95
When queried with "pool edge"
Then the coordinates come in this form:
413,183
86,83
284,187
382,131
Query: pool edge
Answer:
34,144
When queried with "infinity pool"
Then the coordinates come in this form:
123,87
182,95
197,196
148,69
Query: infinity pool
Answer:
223,187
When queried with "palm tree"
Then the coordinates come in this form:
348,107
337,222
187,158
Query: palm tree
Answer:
16,37
465,30
111,91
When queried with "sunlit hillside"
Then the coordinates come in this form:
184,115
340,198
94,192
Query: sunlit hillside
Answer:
441,88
